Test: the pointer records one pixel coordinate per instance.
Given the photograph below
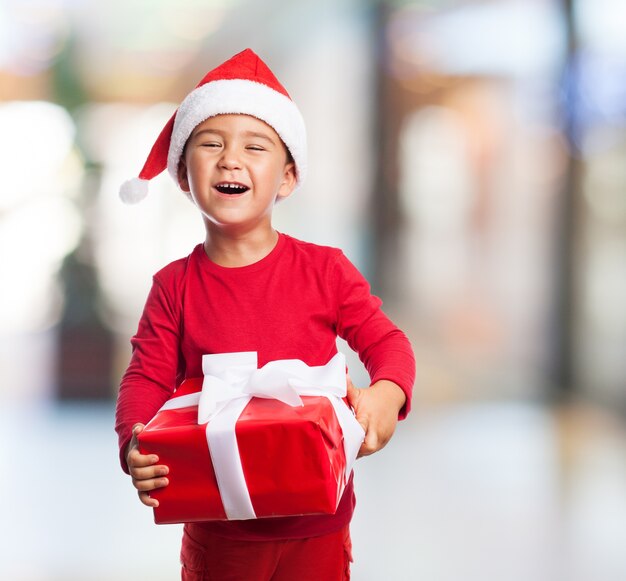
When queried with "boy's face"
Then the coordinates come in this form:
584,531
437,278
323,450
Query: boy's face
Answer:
235,167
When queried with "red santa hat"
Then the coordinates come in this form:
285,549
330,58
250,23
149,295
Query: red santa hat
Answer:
243,84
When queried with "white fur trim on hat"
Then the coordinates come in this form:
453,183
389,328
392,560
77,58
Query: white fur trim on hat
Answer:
238,96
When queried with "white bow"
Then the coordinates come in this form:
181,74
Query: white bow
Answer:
231,376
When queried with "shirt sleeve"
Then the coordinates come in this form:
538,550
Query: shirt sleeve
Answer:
382,347
151,376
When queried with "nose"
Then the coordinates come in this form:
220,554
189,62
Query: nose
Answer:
230,158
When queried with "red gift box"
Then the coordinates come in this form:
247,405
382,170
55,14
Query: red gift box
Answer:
293,459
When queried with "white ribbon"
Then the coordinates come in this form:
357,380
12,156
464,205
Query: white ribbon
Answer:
231,380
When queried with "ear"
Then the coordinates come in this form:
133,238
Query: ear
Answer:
289,181
183,179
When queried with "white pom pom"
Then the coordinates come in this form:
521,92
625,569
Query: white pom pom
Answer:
134,190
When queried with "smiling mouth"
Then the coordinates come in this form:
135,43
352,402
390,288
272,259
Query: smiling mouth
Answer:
231,188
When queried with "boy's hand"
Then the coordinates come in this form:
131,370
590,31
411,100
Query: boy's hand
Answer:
376,409
145,472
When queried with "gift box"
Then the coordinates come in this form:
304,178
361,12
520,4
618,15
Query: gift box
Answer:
245,443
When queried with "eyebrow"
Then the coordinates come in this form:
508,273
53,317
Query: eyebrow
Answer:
259,135
245,133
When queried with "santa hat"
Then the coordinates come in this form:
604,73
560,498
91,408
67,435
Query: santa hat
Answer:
243,84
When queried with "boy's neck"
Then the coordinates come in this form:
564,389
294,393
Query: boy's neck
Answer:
240,249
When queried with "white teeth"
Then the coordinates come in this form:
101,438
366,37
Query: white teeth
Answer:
234,187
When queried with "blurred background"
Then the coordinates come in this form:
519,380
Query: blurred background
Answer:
468,155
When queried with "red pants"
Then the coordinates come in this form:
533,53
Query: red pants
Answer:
214,558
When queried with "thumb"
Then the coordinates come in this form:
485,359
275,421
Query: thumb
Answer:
137,429
133,443
353,394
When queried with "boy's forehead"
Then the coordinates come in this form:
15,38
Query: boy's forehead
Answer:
236,121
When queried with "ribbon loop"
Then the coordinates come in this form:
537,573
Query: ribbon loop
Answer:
225,379
234,375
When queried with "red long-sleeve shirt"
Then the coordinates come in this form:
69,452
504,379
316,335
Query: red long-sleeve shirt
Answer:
292,304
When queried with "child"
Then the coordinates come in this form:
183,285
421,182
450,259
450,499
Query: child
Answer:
236,146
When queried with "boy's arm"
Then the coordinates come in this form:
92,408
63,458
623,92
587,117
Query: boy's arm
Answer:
376,408
151,375
382,347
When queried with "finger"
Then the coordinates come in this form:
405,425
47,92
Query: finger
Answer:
151,484
373,443
149,472
371,439
364,449
138,460
362,419
353,394
145,499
